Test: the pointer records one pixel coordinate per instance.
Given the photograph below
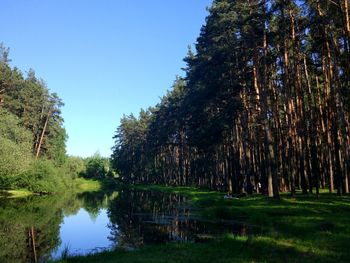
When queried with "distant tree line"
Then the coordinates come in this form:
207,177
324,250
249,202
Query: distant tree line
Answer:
264,105
97,167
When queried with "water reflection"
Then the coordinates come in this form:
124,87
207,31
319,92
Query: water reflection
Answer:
34,228
140,217
29,228
84,233
39,227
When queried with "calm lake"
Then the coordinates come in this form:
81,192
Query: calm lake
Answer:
38,228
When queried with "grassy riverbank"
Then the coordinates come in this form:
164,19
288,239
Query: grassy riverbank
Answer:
84,185
78,185
15,193
301,229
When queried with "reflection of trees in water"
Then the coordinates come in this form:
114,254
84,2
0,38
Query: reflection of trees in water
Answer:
92,202
139,217
29,228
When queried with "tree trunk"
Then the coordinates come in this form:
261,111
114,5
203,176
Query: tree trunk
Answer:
42,134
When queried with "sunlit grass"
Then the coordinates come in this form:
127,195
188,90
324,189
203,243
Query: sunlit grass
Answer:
21,193
84,185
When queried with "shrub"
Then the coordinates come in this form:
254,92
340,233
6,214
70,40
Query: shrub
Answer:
42,176
15,149
74,166
13,161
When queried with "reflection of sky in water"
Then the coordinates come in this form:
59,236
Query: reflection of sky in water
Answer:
83,233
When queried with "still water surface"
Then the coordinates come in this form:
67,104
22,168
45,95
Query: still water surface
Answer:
82,233
38,228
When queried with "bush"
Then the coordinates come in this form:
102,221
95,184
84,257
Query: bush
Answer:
19,170
74,166
13,161
15,149
42,176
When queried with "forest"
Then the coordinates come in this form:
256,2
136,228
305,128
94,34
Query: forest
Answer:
31,132
33,138
246,157
263,106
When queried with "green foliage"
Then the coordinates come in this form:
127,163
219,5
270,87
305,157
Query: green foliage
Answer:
56,147
15,150
11,129
4,53
38,110
128,153
74,166
264,99
11,162
97,167
18,169
31,127
42,176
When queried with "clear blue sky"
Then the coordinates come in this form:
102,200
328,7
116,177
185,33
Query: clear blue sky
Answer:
104,58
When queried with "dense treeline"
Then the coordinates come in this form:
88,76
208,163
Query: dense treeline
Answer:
264,105
32,136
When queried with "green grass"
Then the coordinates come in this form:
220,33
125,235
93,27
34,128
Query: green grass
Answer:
301,229
80,185
85,185
229,249
20,193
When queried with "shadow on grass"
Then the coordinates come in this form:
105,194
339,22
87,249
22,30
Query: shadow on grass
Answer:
320,224
228,249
